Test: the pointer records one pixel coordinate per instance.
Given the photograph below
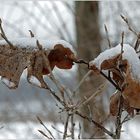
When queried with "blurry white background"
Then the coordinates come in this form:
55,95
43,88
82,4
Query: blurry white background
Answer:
53,19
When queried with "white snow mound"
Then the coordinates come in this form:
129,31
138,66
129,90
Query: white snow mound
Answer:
31,43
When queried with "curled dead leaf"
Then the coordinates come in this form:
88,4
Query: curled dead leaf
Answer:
114,105
110,63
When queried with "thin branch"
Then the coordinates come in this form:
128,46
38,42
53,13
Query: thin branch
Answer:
107,35
118,121
122,42
110,80
62,89
4,36
69,108
95,123
72,126
79,134
81,61
137,43
81,82
44,134
31,34
41,122
129,26
66,126
127,118
108,116
99,90
57,129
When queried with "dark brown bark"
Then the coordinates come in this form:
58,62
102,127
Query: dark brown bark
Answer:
88,41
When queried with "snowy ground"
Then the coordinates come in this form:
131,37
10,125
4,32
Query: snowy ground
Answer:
24,130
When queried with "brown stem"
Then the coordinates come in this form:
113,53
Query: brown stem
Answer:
66,126
118,121
107,35
95,123
4,36
72,126
110,80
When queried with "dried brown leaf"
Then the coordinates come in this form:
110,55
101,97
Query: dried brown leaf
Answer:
14,61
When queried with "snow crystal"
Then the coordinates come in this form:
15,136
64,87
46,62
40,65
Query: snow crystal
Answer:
31,43
129,54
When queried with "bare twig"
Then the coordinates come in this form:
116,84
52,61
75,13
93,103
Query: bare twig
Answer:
81,82
127,118
41,122
118,121
107,35
81,61
110,80
31,34
62,89
44,134
79,134
99,90
108,116
4,36
137,43
72,126
95,123
122,43
66,126
129,26
57,129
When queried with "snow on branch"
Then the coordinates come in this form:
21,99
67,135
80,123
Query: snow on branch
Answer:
104,59
27,42
20,53
123,67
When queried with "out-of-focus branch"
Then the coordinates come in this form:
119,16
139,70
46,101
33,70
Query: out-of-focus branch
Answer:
31,34
41,122
107,35
66,126
40,131
4,36
81,82
129,26
118,120
72,126
60,18
95,123
97,92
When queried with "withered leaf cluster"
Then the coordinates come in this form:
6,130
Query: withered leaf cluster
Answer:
120,72
14,59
